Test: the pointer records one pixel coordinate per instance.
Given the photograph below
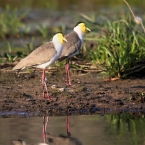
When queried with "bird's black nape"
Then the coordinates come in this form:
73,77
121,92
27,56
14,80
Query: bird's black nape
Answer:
78,23
59,32
20,140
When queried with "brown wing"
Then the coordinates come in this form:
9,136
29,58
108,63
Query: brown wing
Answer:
72,46
40,55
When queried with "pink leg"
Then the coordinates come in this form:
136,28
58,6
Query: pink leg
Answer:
44,128
45,86
68,125
68,82
43,80
43,76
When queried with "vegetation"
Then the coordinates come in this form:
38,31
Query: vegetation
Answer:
128,127
120,44
10,21
9,55
120,50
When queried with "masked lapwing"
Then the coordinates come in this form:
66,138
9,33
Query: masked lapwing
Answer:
42,57
72,47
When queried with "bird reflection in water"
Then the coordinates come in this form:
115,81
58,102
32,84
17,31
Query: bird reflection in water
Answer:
53,139
45,123
61,139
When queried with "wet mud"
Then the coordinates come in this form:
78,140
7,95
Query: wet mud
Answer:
21,94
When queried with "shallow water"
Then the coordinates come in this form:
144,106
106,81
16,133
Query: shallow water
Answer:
125,129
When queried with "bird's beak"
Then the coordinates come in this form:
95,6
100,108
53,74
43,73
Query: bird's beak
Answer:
88,29
64,39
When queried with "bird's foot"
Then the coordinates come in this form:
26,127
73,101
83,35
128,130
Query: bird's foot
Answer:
68,83
50,98
47,97
68,134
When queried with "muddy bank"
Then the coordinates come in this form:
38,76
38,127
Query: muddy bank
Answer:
90,94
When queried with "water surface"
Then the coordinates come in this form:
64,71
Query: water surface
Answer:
122,129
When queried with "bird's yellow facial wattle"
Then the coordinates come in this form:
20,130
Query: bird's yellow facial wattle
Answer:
61,38
84,28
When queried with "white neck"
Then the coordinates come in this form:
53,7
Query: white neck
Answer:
78,30
58,46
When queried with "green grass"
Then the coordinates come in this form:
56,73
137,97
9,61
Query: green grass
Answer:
10,21
9,55
120,49
126,126
43,30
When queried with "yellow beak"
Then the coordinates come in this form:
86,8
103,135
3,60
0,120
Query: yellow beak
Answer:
64,39
88,29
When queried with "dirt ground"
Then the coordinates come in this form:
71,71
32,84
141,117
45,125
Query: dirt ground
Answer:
90,94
